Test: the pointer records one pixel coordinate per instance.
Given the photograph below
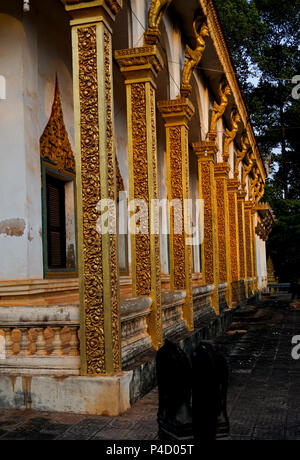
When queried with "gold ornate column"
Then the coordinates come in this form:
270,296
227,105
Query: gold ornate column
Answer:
242,238
206,154
221,178
221,171
254,257
177,114
247,167
237,217
254,185
140,67
95,167
232,188
249,242
258,194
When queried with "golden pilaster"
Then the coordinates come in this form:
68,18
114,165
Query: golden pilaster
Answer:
95,167
177,114
232,187
255,275
140,67
206,154
242,239
221,177
249,242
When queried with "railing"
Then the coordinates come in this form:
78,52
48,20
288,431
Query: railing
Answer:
40,339
172,303
46,339
279,287
202,298
135,338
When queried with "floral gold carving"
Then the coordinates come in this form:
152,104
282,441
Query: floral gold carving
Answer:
54,143
177,194
156,274
208,223
91,194
113,239
221,219
241,226
177,113
140,172
248,231
233,227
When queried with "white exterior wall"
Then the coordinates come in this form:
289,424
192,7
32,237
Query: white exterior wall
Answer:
34,47
261,262
13,210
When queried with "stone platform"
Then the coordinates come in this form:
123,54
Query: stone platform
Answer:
263,399
95,395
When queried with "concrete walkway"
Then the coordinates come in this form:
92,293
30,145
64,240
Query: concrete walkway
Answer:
263,400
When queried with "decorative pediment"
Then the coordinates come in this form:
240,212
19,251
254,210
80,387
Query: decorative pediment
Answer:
54,143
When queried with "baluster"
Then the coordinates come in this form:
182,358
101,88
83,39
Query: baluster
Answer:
41,343
2,344
8,342
65,337
57,342
24,342
49,337
32,337
16,337
74,342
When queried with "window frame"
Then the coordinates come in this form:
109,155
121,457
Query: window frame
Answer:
49,168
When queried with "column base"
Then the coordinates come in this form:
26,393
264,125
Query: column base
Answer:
108,396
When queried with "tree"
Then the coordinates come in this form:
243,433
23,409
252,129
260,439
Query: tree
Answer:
264,37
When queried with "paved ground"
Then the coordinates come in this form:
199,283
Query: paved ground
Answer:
263,400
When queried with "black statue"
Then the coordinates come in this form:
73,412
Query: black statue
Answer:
209,393
295,289
174,386
192,394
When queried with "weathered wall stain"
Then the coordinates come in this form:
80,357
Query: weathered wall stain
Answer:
30,237
71,256
12,227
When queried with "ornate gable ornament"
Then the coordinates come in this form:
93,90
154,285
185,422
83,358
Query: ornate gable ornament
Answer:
156,12
193,57
54,143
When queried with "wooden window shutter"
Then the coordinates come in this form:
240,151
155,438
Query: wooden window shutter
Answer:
56,227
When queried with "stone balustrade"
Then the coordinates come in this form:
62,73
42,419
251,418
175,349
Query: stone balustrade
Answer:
172,313
222,296
46,339
42,340
202,298
49,341
134,329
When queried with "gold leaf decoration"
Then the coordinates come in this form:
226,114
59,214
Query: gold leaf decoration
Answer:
54,143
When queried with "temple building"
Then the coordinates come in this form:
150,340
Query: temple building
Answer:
119,102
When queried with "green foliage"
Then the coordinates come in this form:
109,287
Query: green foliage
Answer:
264,37
284,242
